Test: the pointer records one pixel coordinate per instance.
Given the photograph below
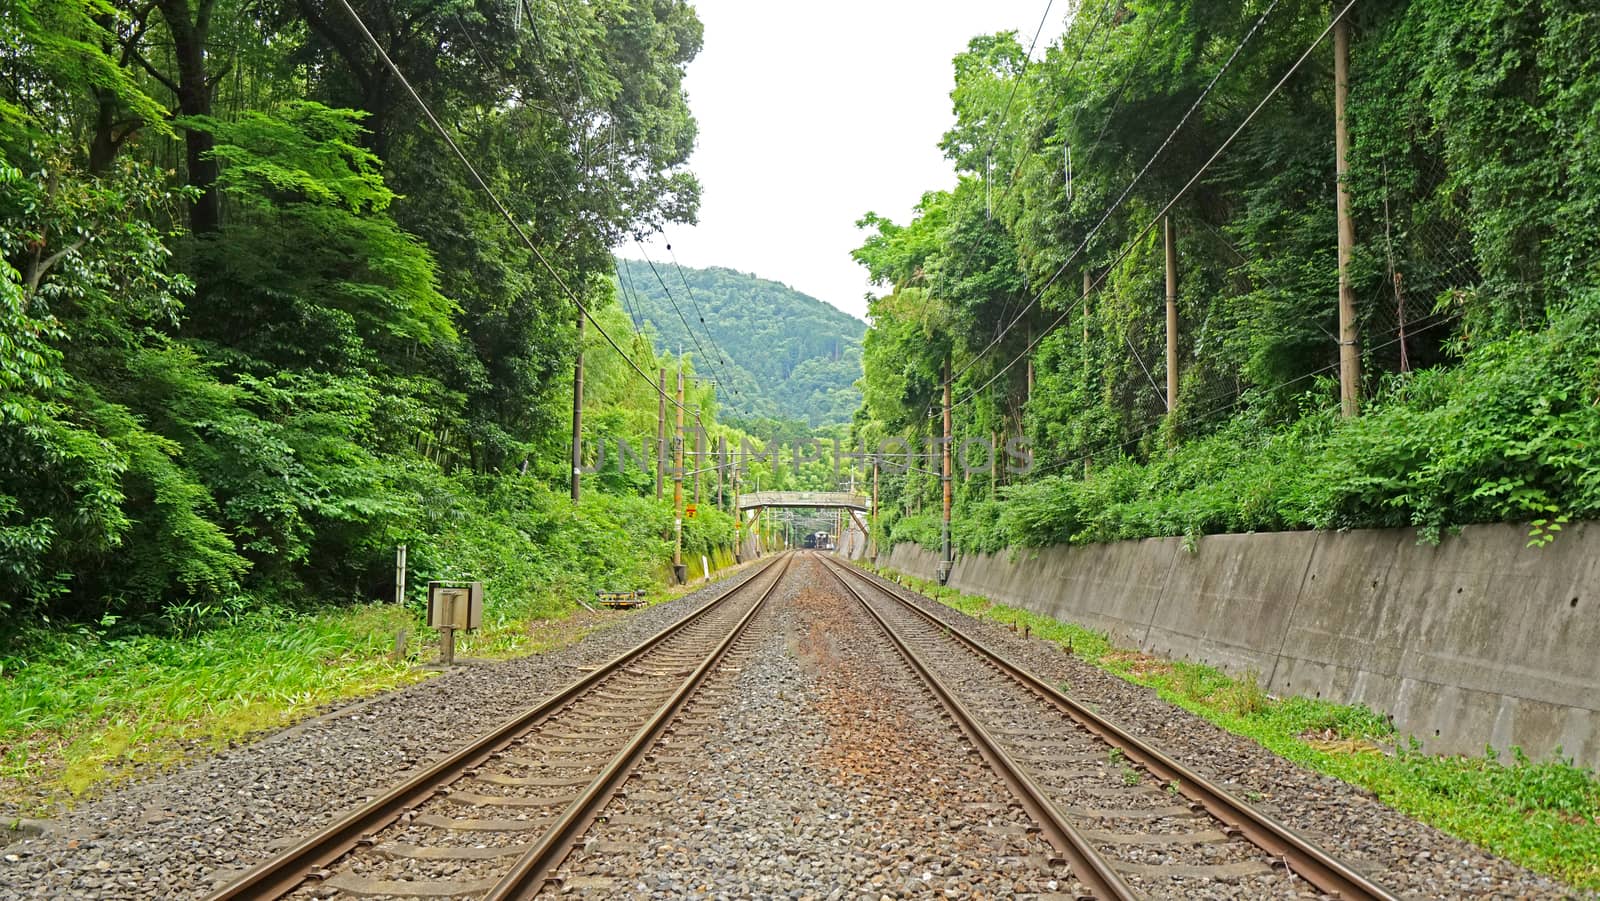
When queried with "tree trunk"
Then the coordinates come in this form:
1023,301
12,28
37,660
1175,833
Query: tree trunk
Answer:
103,146
189,29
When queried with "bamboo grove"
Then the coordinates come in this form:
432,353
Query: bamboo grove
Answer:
1038,282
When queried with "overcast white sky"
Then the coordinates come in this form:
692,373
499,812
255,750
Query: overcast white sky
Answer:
811,115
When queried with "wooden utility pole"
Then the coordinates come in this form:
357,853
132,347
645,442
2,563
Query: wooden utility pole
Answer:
994,461
1029,395
722,462
944,530
738,515
577,416
1172,315
661,427
1349,339
699,455
872,531
1088,285
679,571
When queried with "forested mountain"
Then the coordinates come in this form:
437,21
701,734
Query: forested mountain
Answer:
1469,334
784,354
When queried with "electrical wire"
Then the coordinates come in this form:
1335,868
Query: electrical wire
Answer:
622,289
1116,99
1131,244
494,198
1128,191
722,360
672,300
1006,110
1200,417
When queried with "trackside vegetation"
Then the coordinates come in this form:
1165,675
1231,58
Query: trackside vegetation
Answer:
258,328
92,706
1509,434
1039,282
1543,815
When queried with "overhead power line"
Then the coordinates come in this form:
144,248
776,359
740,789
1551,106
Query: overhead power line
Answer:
494,198
994,139
1193,180
1128,191
722,360
1194,418
710,361
624,289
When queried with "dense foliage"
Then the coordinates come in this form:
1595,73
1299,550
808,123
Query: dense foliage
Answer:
258,325
1476,274
786,355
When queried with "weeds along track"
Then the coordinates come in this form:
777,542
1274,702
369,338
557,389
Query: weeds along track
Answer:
1129,820
494,819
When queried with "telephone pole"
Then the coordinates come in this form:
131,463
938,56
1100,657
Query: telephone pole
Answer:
945,561
699,454
1172,317
1029,396
577,416
679,571
722,462
738,515
661,426
1088,285
1349,339
872,531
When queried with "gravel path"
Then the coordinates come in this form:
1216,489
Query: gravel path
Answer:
1399,853
183,833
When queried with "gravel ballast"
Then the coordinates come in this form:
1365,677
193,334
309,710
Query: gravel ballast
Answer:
813,763
829,772
1401,854
185,832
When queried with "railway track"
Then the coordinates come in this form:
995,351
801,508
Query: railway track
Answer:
495,818
1129,820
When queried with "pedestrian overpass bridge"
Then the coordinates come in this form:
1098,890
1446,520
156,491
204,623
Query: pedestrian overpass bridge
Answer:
752,504
832,500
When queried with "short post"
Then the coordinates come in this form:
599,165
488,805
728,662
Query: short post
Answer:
400,574
447,645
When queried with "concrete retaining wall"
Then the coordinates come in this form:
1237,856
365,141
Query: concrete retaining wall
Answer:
1478,641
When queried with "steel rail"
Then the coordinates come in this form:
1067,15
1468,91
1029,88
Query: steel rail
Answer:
528,874
282,874
1088,866
1316,866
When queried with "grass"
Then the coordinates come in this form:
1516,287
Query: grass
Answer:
85,709
1544,815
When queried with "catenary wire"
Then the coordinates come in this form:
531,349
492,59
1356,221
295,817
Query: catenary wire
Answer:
1134,241
722,360
498,204
1128,191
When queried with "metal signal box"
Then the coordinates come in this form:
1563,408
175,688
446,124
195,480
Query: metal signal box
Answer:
458,605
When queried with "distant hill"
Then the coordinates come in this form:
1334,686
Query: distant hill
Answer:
789,355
